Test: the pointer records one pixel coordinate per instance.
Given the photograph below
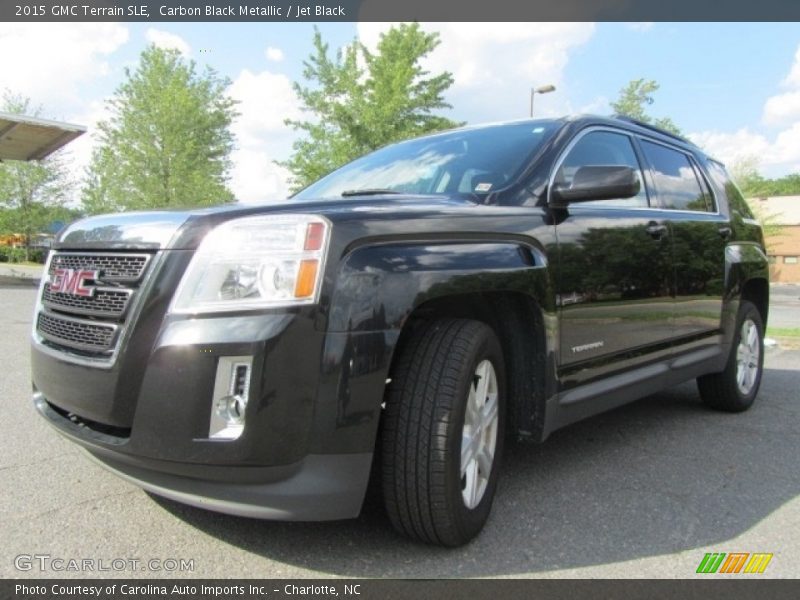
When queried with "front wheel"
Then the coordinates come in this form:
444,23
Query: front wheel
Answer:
735,388
442,432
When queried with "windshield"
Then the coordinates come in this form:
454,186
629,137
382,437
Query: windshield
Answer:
477,160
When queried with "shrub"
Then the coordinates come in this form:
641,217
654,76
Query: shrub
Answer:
37,255
12,255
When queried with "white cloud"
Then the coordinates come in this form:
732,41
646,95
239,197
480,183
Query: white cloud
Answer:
50,62
730,147
793,78
487,57
777,153
274,54
167,40
783,108
256,178
81,149
778,156
266,99
787,146
599,106
470,50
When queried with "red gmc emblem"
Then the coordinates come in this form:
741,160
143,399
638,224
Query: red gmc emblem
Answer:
73,281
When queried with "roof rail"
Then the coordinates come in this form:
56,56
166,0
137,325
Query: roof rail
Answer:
652,127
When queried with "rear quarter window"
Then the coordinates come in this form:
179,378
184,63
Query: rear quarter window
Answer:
735,198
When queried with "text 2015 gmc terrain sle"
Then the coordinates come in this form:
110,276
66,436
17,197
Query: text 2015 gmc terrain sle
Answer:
416,307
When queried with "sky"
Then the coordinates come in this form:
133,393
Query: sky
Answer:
733,88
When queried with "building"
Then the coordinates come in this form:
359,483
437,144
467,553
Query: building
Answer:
29,138
783,247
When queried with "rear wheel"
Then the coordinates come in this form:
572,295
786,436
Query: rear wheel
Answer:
442,431
735,388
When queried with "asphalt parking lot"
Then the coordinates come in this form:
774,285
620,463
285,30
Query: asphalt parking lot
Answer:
643,491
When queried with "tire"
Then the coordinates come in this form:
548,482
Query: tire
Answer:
735,388
439,368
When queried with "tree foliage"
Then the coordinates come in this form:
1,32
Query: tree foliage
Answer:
362,100
168,140
634,99
32,193
754,185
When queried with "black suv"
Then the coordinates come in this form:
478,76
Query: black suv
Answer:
414,308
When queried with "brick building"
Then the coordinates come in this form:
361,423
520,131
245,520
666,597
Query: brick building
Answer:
783,248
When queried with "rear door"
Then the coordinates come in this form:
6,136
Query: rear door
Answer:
699,234
615,268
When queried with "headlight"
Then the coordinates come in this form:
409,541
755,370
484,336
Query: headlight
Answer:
255,262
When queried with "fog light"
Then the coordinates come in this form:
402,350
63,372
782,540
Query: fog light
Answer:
229,402
231,409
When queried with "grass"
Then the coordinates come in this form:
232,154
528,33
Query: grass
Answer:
783,332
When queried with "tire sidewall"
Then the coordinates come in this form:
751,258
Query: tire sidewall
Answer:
470,521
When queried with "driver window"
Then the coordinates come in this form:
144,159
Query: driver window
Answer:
604,148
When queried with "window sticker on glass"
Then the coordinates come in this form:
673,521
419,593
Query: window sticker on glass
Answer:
483,187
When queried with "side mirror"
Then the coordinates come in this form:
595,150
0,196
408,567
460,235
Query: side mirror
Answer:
598,183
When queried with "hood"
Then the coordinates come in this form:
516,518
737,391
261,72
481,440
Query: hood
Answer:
137,230
155,230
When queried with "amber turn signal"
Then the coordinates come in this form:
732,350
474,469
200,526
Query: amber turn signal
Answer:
306,278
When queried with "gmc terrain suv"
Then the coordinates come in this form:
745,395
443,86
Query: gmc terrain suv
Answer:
415,307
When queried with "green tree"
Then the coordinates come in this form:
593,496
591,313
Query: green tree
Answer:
633,100
754,185
168,140
32,193
362,100
744,171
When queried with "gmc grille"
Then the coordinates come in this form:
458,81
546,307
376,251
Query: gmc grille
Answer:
91,325
114,267
105,302
75,333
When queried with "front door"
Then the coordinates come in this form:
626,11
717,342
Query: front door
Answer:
615,269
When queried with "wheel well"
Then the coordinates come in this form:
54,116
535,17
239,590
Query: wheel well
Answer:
757,292
517,321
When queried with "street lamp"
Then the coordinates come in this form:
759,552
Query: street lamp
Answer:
545,89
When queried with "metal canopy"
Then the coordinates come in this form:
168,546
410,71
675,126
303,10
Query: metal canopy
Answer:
29,138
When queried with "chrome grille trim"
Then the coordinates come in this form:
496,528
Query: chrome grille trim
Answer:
119,267
106,302
82,334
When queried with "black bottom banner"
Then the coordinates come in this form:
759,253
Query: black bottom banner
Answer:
390,589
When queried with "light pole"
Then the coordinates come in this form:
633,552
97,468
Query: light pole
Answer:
545,89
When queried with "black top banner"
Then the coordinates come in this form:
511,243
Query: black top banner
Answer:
403,10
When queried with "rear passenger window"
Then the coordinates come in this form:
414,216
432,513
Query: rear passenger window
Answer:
606,149
676,180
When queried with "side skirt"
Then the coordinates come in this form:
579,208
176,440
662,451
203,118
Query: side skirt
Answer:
604,394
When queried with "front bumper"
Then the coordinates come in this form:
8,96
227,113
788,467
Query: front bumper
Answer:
313,414
322,488
317,488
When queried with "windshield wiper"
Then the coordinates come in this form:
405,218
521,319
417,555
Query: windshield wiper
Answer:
368,192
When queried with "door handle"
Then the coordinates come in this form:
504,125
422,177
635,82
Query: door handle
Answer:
725,232
656,231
